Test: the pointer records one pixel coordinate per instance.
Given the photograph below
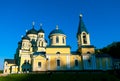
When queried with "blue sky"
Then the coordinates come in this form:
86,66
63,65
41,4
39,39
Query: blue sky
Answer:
101,17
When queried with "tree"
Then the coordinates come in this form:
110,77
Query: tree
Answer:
112,49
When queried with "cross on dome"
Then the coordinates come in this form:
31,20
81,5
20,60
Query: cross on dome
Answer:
40,25
57,27
33,23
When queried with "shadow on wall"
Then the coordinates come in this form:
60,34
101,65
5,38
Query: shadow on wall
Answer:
26,67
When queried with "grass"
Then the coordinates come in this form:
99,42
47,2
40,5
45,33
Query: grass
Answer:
61,77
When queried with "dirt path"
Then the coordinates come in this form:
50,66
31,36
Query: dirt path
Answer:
3,75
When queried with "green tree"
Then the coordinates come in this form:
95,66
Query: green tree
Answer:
112,49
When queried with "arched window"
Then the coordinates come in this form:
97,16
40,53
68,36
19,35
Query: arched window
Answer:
57,39
58,62
84,38
58,53
42,43
41,36
63,39
39,64
89,62
76,63
88,52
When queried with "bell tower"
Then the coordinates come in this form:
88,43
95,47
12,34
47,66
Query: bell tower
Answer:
83,38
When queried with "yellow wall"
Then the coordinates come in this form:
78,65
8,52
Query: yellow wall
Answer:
7,68
72,61
55,50
64,65
85,50
14,69
22,60
35,61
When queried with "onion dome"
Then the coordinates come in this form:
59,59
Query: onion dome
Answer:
56,31
41,30
32,31
26,37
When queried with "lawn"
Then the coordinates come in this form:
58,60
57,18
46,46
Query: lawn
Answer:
61,77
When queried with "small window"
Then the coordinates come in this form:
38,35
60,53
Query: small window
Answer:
42,44
58,53
39,64
84,38
57,39
58,62
41,36
88,52
76,63
6,71
63,40
89,62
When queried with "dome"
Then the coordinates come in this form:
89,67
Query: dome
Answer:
26,37
32,31
41,31
56,31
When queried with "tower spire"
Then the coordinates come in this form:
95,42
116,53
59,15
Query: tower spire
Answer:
81,26
57,27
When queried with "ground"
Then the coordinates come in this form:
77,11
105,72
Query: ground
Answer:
62,76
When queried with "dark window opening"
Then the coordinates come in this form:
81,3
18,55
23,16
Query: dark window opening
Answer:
89,62
84,38
5,70
58,53
41,36
58,62
57,39
39,64
88,52
42,44
76,63
63,40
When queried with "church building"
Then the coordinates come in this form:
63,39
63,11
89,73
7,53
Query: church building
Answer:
34,54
